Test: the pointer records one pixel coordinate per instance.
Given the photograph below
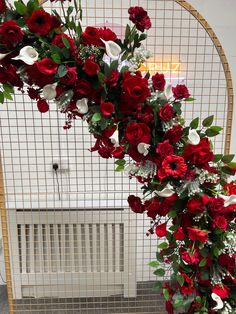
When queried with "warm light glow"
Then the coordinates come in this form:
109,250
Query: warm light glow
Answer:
167,67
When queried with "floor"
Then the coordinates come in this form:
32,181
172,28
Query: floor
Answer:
3,300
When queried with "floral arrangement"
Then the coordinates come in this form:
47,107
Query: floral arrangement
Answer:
187,193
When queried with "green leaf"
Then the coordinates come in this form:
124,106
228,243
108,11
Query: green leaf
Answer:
56,58
120,162
198,299
217,157
172,214
20,7
178,302
7,95
62,70
194,124
203,262
127,31
143,36
66,42
159,257
177,107
159,272
119,168
1,97
96,117
157,285
232,164
166,294
208,121
70,10
32,5
180,280
213,131
227,158
163,245
189,99
8,88
153,264
216,251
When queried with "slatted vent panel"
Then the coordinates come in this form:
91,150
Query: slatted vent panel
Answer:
71,248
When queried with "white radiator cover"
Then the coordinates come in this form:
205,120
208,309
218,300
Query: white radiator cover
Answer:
72,253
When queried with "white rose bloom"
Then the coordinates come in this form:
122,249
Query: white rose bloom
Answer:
193,137
229,200
28,55
166,192
218,300
112,49
143,148
82,105
115,138
49,91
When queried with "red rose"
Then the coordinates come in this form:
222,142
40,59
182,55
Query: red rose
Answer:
10,33
191,259
152,208
199,154
37,77
71,76
161,230
107,34
136,133
216,205
91,36
145,114
113,79
220,222
2,6
140,18
165,149
180,92
134,154
8,75
47,66
91,67
174,135
107,108
221,290
169,307
173,166
135,204
187,287
179,234
166,112
118,153
57,41
135,88
55,22
165,208
158,82
197,234
197,205
40,22
230,188
42,105
229,262
33,93
83,89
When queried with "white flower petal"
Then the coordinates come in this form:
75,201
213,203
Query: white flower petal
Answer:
193,137
166,192
115,138
113,50
49,91
218,300
3,55
143,148
28,55
229,200
82,105
168,91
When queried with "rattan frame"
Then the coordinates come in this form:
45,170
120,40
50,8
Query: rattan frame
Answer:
229,85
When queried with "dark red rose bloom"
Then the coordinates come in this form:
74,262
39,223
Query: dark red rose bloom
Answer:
91,36
135,88
219,222
134,154
37,77
140,18
197,235
179,234
57,41
42,105
158,82
136,133
109,132
118,153
199,154
135,204
55,22
221,290
107,108
173,166
161,230
174,135
107,34
113,79
2,6
71,76
169,307
165,149
91,67
83,89
152,207
187,287
145,114
40,22
8,75
180,92
33,93
47,66
198,205
166,113
216,205
165,208
230,188
10,33
191,259
228,262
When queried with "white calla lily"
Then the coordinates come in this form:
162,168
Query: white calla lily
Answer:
82,105
229,200
143,148
113,50
28,55
115,138
3,55
193,137
166,192
49,91
218,300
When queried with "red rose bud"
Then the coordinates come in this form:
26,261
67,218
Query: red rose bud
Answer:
107,108
197,235
180,92
179,234
140,18
40,22
161,230
47,66
42,105
10,33
2,6
135,204
166,113
158,82
221,290
91,67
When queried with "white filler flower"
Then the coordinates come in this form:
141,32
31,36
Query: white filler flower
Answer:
193,137
82,105
28,55
112,49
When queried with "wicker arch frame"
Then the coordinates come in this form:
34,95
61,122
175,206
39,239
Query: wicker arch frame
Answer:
229,85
